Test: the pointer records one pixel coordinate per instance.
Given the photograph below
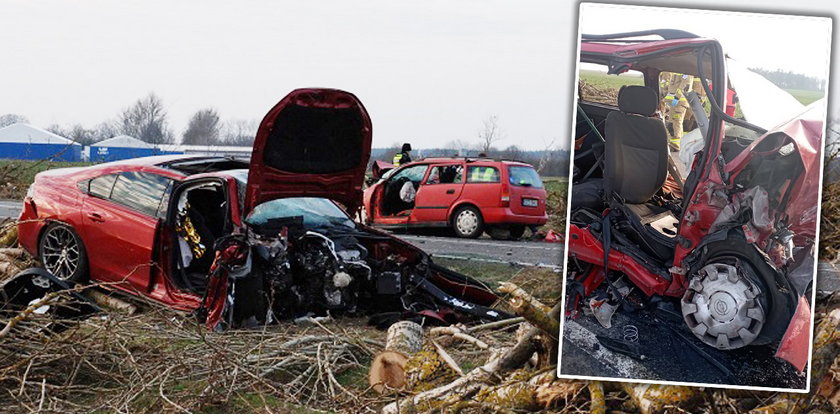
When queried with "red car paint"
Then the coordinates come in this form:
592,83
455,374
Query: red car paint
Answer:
266,182
704,204
500,203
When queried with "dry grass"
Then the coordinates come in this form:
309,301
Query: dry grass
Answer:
830,221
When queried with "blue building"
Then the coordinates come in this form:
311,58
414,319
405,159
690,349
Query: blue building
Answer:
25,142
123,147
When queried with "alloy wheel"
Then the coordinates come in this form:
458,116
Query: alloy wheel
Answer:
61,252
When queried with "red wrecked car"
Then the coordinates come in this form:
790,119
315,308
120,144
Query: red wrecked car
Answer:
722,218
468,195
244,243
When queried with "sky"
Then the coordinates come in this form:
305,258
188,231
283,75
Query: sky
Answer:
428,72
799,44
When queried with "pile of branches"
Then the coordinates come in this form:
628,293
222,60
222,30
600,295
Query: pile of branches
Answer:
591,93
519,375
830,223
159,360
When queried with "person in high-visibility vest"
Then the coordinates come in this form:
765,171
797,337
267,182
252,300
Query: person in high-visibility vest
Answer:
482,174
676,105
404,156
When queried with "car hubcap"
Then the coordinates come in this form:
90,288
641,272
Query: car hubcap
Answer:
61,252
721,307
467,222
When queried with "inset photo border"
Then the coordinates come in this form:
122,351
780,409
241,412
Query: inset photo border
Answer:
694,199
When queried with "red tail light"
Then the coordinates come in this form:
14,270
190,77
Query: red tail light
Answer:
505,200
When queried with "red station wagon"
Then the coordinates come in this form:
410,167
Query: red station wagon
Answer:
470,195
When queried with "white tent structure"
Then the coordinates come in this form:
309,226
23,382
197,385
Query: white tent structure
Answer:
122,147
27,142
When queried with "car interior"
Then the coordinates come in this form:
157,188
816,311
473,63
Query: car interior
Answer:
200,219
400,189
395,201
631,149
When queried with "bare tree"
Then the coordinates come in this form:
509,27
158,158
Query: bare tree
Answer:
548,154
204,128
512,153
146,120
85,136
240,131
490,134
8,119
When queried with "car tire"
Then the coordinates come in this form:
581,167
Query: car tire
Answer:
517,231
467,222
498,232
63,254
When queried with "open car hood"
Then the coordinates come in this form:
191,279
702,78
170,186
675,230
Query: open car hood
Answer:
313,143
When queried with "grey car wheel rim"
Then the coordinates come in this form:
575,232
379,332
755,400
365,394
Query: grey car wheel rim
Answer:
61,253
467,222
721,306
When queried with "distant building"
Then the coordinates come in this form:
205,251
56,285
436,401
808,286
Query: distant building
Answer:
216,150
122,147
25,142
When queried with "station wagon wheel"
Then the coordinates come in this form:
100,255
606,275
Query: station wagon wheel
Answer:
62,253
467,222
517,231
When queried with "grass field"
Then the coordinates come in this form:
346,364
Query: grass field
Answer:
16,175
556,187
805,97
602,80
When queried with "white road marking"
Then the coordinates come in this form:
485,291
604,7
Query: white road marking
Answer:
495,244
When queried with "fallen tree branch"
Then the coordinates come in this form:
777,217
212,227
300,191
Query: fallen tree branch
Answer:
534,311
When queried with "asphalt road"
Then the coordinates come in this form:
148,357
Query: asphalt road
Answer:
523,253
10,208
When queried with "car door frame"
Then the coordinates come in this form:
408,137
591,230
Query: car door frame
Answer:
437,214
139,278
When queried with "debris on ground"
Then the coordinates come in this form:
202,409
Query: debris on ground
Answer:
136,356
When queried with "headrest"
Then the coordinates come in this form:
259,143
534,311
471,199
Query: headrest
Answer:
640,100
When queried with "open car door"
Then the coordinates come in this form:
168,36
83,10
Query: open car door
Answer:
313,143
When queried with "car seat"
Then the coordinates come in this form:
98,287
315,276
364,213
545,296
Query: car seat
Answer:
635,168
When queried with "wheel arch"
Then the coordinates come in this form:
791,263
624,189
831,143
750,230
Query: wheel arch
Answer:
457,206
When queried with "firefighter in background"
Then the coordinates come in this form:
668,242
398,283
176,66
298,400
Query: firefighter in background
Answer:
676,105
404,156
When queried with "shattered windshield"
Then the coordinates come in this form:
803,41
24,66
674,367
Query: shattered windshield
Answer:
316,212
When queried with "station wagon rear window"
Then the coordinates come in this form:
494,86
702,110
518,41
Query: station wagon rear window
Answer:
524,177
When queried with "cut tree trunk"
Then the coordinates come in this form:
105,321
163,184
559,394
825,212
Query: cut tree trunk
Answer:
387,371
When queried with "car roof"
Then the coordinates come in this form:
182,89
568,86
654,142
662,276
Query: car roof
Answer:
603,48
436,160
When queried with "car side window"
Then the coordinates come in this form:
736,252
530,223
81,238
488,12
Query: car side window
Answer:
414,174
446,174
482,174
101,186
140,191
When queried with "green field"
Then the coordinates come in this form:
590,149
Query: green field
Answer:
16,175
805,97
603,81
556,187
